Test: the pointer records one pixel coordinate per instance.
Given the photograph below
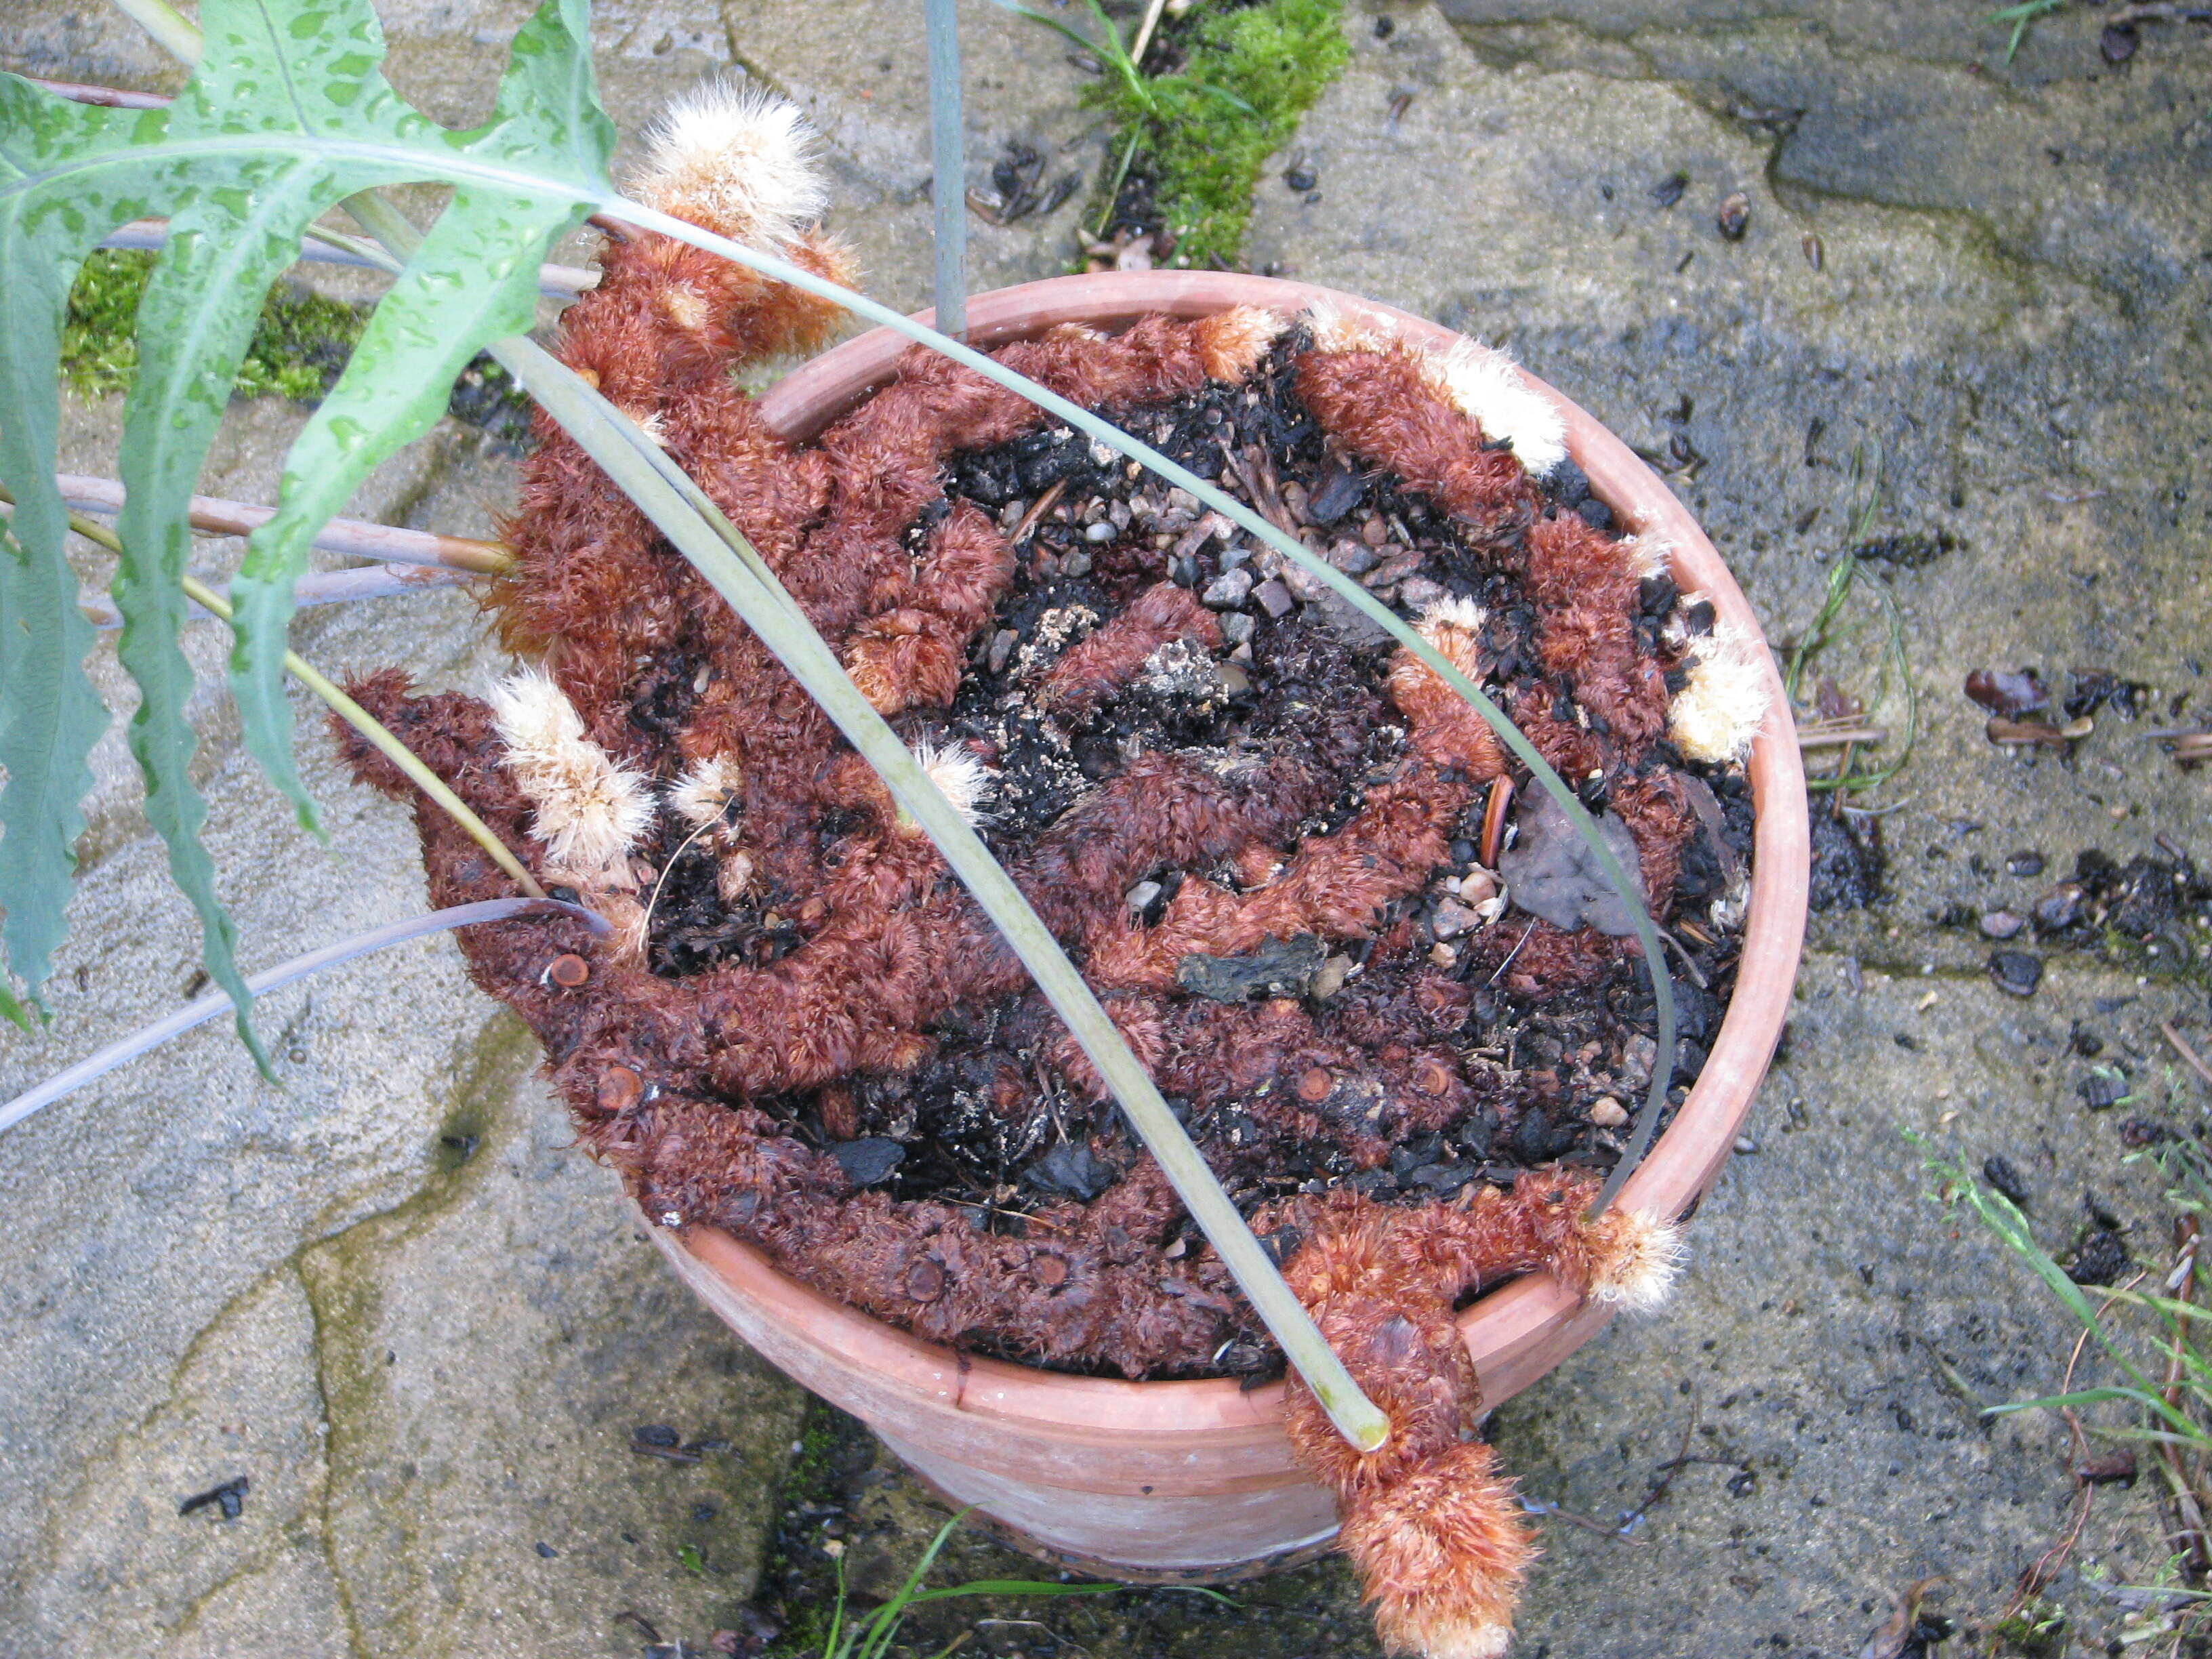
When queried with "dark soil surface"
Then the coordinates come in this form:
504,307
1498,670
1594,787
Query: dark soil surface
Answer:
1308,680
1551,1060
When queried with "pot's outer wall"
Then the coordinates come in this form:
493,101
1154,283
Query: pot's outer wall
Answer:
1156,1476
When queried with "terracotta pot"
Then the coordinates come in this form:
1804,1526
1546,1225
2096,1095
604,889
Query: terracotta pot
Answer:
1145,1480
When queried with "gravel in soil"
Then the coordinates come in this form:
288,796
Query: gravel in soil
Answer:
1277,844
1550,1068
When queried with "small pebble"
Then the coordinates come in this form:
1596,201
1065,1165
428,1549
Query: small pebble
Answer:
1444,955
1394,568
1452,918
1002,649
1328,979
1235,627
1078,563
1746,1143
2058,908
2002,924
1478,885
1374,531
1607,1113
868,1160
1101,532
1420,592
1304,583
1229,590
1354,559
1139,898
1736,216
2016,972
1234,680
2024,862
1275,599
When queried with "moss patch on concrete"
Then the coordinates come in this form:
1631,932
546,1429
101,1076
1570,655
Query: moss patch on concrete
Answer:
300,345
1201,153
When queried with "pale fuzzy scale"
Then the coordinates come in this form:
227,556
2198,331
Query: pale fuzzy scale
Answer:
629,916
1723,703
1333,331
1483,385
588,810
1455,610
1231,342
736,159
1642,1258
705,790
733,877
1441,1636
1648,555
1454,627
958,775
651,423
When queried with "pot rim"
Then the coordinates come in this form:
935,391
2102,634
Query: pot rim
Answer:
1517,1333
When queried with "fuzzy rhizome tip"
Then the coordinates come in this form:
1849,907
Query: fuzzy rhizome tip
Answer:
737,160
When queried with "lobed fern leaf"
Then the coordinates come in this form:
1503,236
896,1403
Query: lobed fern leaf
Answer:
49,716
286,116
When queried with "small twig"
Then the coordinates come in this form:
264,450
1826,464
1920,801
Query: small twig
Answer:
1514,952
2046,1565
368,581
1044,505
2196,1061
109,97
386,543
645,928
1689,966
1668,1469
1819,736
1144,32
353,715
1543,1506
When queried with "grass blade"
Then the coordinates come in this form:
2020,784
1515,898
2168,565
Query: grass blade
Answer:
207,1007
744,581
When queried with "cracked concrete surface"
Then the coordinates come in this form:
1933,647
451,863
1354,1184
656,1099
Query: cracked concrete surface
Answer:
209,1276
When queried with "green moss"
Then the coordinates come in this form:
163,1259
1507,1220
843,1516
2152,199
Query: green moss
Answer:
299,344
1202,154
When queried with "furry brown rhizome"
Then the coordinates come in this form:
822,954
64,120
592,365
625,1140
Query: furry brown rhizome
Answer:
804,1032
